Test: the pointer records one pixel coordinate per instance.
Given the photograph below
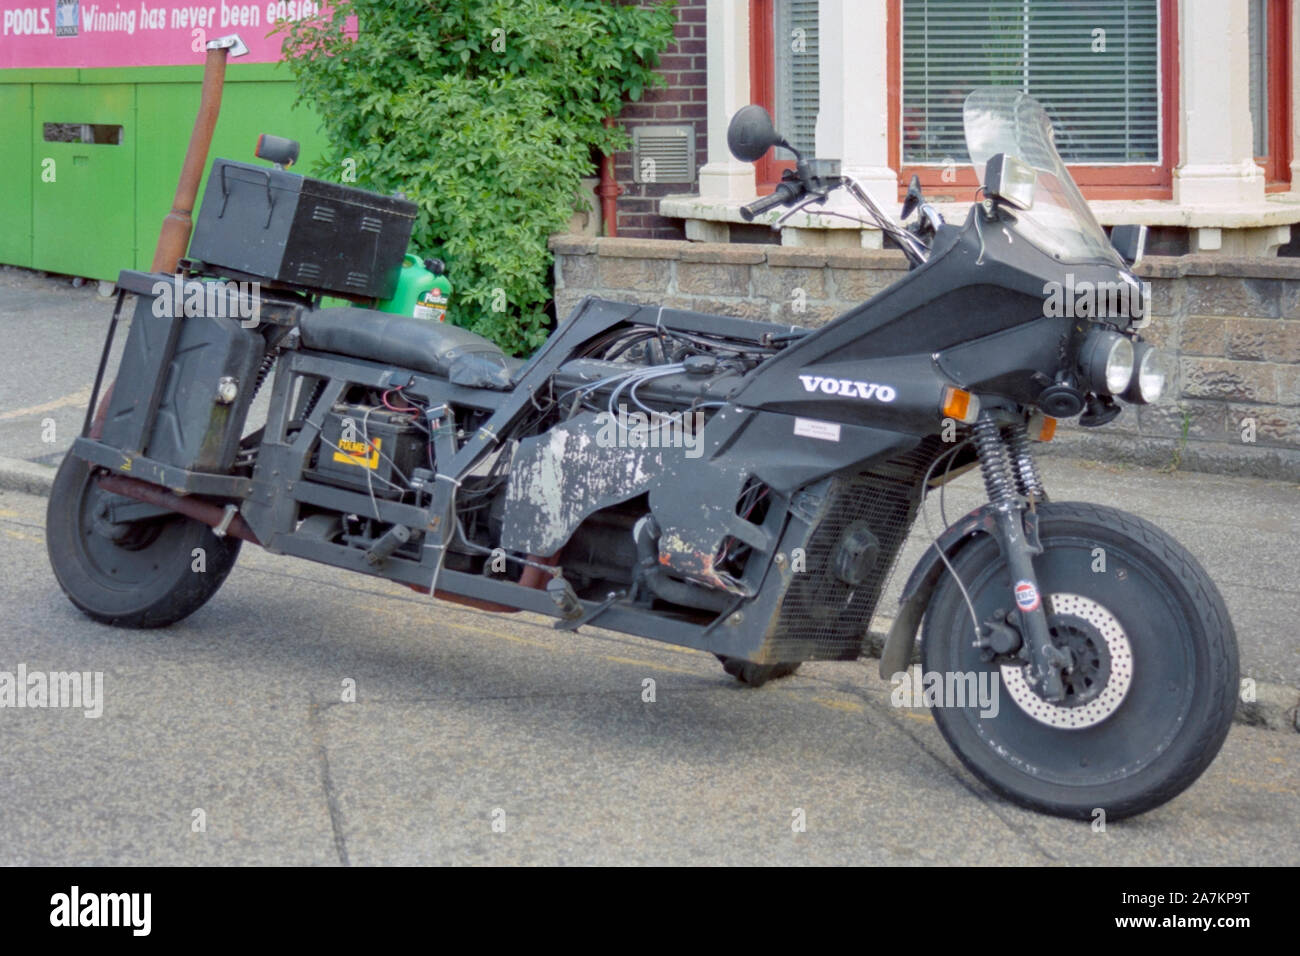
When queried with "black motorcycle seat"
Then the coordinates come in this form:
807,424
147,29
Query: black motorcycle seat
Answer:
420,345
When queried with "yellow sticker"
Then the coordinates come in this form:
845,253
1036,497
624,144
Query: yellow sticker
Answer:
356,454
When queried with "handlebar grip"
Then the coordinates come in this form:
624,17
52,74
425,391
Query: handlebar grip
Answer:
783,194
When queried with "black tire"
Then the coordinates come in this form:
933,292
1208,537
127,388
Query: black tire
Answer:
756,675
1160,723
143,580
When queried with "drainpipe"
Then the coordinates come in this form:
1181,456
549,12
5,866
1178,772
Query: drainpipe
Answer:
608,190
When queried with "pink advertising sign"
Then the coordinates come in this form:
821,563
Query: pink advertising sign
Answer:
82,34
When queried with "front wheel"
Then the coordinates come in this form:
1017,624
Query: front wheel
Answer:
147,573
1152,687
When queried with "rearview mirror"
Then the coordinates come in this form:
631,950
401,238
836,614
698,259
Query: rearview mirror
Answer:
1130,242
913,198
1010,180
751,134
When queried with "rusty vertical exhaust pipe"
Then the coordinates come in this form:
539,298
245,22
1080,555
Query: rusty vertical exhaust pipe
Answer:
174,239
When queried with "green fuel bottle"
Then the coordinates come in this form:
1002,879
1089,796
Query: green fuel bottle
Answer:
423,290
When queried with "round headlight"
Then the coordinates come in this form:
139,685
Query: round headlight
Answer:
1150,376
1107,361
1119,366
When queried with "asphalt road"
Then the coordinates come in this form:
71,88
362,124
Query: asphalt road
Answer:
1242,529
53,334
463,719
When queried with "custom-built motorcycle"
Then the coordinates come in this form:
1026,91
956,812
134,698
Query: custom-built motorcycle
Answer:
735,486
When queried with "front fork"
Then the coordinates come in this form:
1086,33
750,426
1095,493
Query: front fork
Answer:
1011,478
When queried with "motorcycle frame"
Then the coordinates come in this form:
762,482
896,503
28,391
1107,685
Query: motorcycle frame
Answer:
948,324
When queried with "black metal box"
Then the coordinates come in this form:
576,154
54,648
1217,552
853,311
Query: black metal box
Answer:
284,228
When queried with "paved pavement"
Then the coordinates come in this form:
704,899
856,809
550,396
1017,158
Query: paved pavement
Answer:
52,335
1242,529
464,718
461,715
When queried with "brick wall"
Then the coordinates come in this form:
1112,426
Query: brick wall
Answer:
682,102
1234,325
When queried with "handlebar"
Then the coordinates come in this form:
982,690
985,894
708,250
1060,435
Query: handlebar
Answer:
785,192
812,179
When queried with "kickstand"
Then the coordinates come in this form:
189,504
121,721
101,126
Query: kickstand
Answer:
590,616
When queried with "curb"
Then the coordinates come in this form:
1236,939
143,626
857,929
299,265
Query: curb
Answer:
1270,706
1273,707
25,476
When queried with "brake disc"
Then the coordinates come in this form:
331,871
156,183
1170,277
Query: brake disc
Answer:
1103,666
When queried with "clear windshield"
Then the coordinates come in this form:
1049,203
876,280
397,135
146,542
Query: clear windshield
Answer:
1000,119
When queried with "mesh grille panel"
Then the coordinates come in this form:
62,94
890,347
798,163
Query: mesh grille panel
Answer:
823,617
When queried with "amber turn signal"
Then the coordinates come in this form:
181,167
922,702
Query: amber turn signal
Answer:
960,405
1041,427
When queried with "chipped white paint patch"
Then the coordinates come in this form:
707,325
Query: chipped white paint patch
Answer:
556,479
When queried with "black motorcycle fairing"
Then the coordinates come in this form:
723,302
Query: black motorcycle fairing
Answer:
982,281
1015,363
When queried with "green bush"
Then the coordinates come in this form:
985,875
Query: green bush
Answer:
486,113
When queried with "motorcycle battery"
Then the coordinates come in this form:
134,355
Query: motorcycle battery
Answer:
306,233
375,451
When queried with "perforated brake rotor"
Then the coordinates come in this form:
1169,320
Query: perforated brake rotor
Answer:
1103,671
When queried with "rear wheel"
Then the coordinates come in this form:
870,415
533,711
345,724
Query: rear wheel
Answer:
756,675
1152,688
147,573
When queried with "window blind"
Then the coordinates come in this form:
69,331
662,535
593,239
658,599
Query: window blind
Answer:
1258,26
1094,66
794,38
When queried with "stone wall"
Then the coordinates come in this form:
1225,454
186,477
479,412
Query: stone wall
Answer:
1234,325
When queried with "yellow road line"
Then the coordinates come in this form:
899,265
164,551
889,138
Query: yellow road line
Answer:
832,703
650,664
80,397
1260,785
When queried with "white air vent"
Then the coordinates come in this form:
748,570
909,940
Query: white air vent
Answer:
663,154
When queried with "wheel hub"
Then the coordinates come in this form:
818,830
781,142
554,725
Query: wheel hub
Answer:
1101,672
129,536
1090,657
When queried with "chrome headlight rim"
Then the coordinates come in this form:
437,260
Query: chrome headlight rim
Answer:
1150,375
1107,362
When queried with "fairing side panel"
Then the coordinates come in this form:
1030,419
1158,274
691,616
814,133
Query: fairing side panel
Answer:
982,280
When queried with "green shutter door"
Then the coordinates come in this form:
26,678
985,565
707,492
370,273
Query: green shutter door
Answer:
85,217
16,158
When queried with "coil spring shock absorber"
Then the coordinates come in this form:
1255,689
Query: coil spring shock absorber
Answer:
1028,480
310,405
1000,480
995,462
264,370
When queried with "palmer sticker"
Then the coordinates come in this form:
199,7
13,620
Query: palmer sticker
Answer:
354,453
1026,596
